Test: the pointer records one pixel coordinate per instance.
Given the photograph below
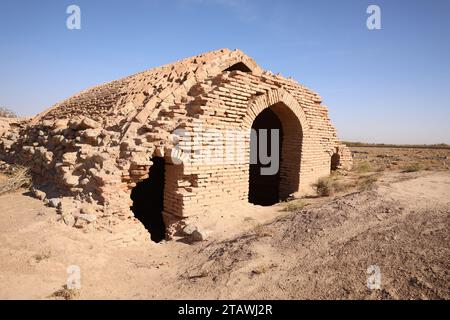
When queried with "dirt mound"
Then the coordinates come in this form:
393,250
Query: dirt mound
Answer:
324,251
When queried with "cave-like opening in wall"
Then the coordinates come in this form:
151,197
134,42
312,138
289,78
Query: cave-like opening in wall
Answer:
270,189
148,200
335,161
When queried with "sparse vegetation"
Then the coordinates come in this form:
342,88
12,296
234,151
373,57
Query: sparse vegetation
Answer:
413,168
393,223
383,145
261,231
19,177
399,159
42,256
66,293
362,167
366,182
337,184
261,269
7,113
294,205
324,186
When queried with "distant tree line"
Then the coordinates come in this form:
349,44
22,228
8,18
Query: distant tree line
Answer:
385,145
7,113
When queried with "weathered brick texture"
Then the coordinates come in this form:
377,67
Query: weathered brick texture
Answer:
96,145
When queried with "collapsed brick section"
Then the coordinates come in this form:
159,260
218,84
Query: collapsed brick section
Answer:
94,147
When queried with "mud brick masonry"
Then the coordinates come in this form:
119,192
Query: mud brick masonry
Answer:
93,149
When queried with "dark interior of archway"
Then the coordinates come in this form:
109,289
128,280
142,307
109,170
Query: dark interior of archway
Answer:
240,67
335,161
148,200
264,189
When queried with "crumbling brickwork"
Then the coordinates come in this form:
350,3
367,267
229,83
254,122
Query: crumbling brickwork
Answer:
94,147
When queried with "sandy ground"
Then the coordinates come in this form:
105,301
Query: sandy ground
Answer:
401,225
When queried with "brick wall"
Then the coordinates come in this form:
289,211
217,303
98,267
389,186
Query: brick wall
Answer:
97,145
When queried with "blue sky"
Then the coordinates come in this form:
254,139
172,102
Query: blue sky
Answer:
390,85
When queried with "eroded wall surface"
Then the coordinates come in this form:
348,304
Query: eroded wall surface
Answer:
92,149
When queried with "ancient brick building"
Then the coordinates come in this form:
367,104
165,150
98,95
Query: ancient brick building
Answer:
100,146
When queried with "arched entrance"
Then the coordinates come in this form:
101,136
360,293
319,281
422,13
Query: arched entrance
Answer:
270,189
148,200
335,160
264,189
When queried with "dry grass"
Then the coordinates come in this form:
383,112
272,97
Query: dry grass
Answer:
399,159
19,177
324,186
7,113
262,231
362,167
65,293
294,205
366,182
42,256
341,184
261,269
397,146
327,186
414,167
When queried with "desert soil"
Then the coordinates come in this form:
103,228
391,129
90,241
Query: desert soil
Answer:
321,251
